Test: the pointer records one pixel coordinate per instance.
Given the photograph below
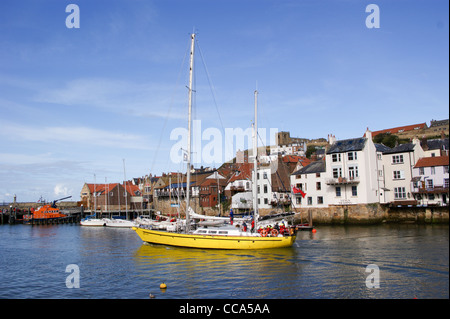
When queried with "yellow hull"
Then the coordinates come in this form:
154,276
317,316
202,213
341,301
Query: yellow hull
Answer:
213,242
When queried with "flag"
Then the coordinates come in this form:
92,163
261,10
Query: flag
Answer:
297,190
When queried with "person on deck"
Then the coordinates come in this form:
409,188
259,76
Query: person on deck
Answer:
231,216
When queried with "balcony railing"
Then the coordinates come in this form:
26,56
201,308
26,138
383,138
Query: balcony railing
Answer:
436,189
343,180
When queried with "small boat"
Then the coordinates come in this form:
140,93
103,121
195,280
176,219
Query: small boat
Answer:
93,221
120,223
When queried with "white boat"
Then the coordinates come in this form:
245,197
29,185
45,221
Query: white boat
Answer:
121,223
91,221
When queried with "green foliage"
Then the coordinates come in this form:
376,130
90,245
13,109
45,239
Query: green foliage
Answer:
387,139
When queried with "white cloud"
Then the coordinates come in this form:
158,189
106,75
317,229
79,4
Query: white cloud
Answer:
76,134
139,99
61,190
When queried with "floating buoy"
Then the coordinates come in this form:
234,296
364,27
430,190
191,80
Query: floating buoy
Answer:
151,296
313,230
163,286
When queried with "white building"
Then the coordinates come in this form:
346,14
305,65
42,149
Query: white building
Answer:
311,180
430,182
351,167
398,166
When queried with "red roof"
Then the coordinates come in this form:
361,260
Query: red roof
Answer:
401,129
242,172
100,188
432,161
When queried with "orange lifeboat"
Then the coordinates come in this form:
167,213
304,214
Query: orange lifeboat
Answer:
48,211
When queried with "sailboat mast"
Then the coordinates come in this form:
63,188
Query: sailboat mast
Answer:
255,163
188,180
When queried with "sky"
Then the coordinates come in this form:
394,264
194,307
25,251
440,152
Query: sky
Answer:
106,100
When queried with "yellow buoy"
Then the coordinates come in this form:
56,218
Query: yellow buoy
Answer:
163,286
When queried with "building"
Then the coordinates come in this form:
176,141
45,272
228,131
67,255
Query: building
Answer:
430,181
211,189
273,184
111,197
309,186
351,168
398,164
405,131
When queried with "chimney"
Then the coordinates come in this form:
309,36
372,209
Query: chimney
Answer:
331,139
368,134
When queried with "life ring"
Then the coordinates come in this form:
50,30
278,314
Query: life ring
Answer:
264,233
274,233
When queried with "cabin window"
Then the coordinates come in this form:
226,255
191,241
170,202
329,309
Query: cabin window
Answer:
223,232
212,232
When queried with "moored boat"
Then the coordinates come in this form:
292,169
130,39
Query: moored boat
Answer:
120,223
94,222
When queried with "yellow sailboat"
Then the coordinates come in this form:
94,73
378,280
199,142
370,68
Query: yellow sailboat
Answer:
223,237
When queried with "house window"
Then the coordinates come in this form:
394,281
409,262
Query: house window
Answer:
318,174
318,186
429,183
351,156
319,200
399,175
265,189
446,182
338,191
337,172
421,171
266,201
354,191
380,173
353,172
336,157
298,200
264,175
310,201
433,170
399,193
397,159
446,169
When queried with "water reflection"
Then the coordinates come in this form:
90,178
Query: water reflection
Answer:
219,273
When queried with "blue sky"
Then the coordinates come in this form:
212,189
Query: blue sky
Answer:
76,102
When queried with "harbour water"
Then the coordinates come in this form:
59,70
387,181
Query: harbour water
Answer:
39,262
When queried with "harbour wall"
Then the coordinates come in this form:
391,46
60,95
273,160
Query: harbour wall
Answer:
372,214
362,214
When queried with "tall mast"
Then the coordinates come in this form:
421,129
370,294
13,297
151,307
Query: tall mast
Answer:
255,163
188,180
126,192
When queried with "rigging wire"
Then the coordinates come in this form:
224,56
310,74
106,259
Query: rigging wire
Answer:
169,109
210,85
